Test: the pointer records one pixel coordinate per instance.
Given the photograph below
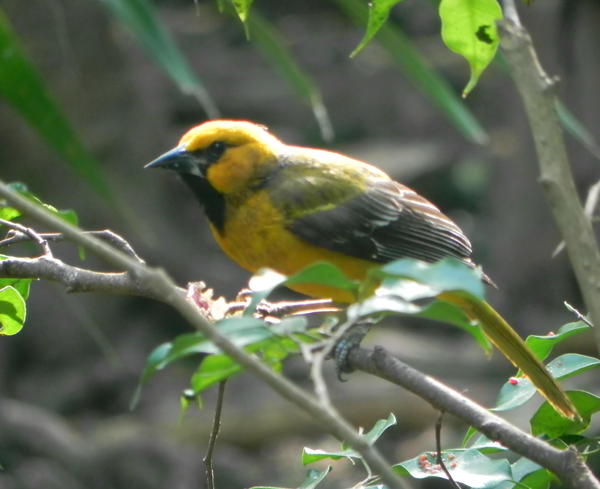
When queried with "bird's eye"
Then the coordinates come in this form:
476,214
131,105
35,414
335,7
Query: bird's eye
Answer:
215,151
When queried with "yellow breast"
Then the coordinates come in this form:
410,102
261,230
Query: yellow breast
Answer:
255,236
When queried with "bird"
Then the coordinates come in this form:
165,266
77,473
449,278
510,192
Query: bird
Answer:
274,205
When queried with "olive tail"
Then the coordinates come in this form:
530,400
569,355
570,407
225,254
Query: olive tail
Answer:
510,344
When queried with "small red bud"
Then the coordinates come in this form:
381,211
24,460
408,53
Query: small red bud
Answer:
513,381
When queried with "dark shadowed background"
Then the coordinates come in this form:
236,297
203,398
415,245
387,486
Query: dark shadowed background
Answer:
67,379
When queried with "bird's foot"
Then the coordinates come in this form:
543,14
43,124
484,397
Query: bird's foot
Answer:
350,340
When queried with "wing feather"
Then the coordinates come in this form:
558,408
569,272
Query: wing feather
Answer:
385,222
351,207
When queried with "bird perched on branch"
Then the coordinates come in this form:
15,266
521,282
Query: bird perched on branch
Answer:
285,207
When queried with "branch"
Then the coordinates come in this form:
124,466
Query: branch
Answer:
75,279
537,90
568,465
160,285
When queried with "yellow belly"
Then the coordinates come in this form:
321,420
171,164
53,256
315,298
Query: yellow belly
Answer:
255,237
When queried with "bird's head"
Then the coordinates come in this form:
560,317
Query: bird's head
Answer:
228,155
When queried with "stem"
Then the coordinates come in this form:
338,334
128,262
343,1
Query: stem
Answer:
208,458
537,90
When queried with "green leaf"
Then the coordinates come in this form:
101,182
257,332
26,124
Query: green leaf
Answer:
562,367
547,421
247,332
485,445
530,474
314,478
437,310
242,331
24,89
417,69
323,273
9,213
379,12
212,370
542,345
539,479
469,467
290,325
67,215
217,367
12,311
141,19
523,467
242,8
471,432
274,351
404,285
310,455
469,29
448,313
584,445
446,275
186,400
379,428
272,45
21,285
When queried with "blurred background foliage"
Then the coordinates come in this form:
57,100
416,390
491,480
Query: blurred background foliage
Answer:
92,90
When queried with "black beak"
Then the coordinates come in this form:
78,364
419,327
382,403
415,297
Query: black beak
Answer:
177,159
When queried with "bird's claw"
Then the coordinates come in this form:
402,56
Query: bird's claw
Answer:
350,340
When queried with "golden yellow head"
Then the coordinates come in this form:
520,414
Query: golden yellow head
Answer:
228,155
232,133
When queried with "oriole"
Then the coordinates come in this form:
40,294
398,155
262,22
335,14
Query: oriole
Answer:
285,207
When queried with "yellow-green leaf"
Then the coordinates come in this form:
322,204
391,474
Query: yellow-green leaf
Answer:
469,29
12,311
379,11
242,7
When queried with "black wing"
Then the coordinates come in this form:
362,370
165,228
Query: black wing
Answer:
385,222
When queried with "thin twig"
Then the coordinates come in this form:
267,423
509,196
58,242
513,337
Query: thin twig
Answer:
322,352
438,447
106,234
316,374
578,315
208,458
591,203
511,13
31,235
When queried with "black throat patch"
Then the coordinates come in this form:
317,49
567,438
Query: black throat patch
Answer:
212,201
